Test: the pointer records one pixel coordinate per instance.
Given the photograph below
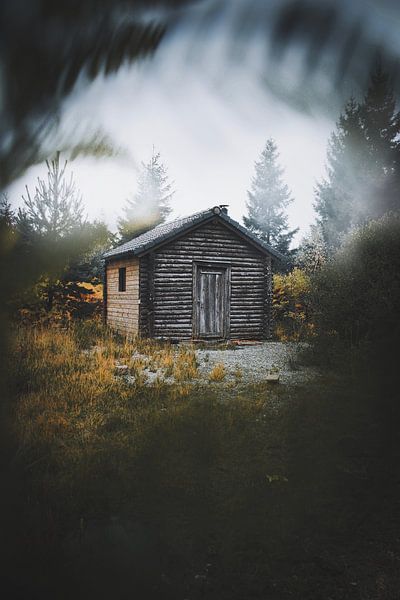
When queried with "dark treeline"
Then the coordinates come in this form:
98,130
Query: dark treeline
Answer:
353,250
51,250
52,253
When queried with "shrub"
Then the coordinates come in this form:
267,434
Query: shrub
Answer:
355,299
291,305
70,301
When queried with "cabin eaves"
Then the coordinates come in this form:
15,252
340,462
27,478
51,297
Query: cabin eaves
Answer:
169,231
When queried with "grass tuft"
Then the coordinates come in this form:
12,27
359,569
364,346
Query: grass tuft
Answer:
218,373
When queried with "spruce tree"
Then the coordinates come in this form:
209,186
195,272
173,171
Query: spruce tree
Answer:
267,202
381,123
363,164
151,204
341,194
7,225
51,225
55,210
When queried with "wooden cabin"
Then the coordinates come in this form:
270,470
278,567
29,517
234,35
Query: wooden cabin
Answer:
198,277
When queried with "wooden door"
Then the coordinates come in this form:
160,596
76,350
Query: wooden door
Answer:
211,306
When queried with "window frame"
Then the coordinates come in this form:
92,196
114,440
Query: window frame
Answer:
122,279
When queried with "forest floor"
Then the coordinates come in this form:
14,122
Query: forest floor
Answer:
185,491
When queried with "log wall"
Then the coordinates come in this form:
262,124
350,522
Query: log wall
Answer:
122,310
166,307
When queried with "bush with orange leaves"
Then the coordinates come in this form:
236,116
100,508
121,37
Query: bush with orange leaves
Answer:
290,305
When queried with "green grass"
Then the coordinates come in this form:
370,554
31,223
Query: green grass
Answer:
179,491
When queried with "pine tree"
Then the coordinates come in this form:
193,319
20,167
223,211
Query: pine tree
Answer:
267,202
51,222
363,164
7,225
381,124
55,210
150,205
7,216
340,196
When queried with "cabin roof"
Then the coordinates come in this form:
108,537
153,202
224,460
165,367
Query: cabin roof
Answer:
165,232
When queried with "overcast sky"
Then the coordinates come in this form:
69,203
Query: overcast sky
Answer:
208,121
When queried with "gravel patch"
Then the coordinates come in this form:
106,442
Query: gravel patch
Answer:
255,361
243,364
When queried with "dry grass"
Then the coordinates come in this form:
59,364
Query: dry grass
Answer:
68,382
185,367
238,373
218,373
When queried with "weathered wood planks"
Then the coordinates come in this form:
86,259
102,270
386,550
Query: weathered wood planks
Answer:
209,282
211,244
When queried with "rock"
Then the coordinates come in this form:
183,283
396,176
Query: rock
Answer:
139,356
272,377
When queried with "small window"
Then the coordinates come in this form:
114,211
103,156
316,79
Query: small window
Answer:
122,279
